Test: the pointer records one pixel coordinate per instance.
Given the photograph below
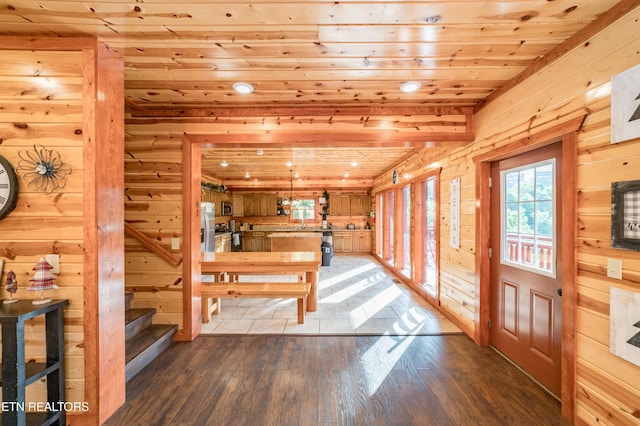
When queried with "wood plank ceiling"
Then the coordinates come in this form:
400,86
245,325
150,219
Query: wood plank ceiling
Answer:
326,74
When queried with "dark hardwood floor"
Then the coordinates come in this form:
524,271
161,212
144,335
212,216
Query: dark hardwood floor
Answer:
323,380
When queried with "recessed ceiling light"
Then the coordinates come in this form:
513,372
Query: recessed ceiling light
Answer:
289,164
259,152
242,87
296,175
346,174
354,164
409,86
247,175
224,163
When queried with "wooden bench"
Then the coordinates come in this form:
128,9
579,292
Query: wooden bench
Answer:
285,290
235,277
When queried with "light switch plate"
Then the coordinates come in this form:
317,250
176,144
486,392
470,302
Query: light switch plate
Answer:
54,260
175,244
614,268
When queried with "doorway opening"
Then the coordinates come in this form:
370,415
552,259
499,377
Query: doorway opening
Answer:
526,314
566,135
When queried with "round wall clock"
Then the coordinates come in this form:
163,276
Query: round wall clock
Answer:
8,187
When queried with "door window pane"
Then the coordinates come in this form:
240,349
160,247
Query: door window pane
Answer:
544,218
527,224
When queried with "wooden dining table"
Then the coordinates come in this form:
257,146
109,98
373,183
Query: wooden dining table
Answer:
272,263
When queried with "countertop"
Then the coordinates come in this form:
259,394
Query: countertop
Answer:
305,230
294,235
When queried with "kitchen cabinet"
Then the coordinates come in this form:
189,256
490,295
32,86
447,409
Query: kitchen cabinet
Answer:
259,243
365,201
247,243
360,205
339,205
223,242
268,205
254,241
342,241
252,205
355,206
352,241
346,205
361,241
333,206
260,205
215,197
238,205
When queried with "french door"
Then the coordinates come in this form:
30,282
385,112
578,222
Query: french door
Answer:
407,232
426,235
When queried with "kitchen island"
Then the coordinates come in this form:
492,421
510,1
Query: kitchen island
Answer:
359,240
295,241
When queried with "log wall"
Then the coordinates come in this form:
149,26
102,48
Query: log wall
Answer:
578,83
52,92
45,224
153,206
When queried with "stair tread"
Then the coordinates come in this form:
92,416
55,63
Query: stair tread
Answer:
130,315
146,338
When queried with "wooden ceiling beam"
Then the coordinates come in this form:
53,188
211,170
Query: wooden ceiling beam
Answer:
328,139
308,185
299,112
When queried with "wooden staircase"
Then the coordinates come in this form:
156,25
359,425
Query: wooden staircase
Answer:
144,340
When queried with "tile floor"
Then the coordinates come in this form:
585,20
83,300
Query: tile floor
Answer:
356,296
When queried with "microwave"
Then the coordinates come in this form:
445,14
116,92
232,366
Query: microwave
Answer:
227,209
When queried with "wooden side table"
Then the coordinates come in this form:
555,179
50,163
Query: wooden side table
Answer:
17,375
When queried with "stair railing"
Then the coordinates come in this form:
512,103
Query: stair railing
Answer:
152,245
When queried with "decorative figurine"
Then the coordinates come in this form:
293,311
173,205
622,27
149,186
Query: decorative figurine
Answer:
11,286
43,279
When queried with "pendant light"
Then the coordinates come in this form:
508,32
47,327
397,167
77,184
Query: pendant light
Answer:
289,201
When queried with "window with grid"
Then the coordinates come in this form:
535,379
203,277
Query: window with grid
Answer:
528,217
304,210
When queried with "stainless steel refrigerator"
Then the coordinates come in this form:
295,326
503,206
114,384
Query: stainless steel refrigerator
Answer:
207,227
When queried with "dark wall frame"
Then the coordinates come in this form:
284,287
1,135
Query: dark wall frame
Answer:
625,214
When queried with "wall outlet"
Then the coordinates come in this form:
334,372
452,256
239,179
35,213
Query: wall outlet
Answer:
614,268
175,244
54,260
